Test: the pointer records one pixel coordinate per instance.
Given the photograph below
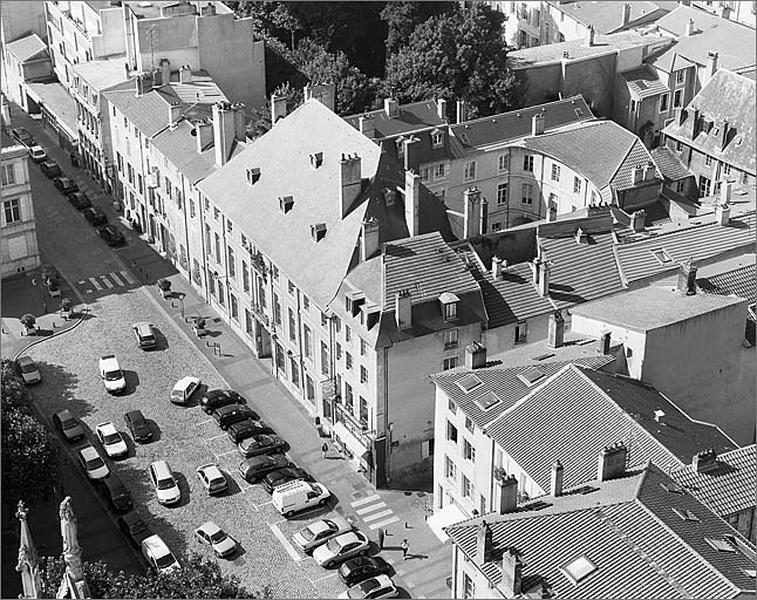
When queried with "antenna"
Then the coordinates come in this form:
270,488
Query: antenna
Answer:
151,37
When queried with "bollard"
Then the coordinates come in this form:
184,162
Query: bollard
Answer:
381,539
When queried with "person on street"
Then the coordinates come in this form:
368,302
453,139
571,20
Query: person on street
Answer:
324,449
405,547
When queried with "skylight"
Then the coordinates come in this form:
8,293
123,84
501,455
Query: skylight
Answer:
531,375
662,256
721,545
579,112
686,515
487,400
672,487
469,383
578,569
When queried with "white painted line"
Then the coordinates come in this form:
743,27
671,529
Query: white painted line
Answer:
375,526
262,504
215,437
95,283
378,515
106,281
127,276
285,542
329,576
114,276
371,508
226,453
365,500
206,420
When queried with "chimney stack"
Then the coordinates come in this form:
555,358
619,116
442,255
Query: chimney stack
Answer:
723,210
325,93
590,36
556,479
403,309
648,172
278,107
391,107
690,28
185,74
174,111
240,122
687,279
556,330
412,158
638,219
203,135
412,199
441,108
351,182
165,70
712,65
496,267
637,175
537,124
366,126
551,211
472,212
603,343
484,545
541,276
612,461
626,14
223,131
512,573
725,11
369,241
462,111
508,494
475,356
705,461
724,129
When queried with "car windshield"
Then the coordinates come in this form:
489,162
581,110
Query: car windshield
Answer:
148,338
69,423
138,526
308,534
28,367
165,561
166,484
218,481
113,375
95,463
112,438
334,545
218,536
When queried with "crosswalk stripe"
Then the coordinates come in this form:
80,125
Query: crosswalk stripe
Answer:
106,281
128,277
375,526
371,508
95,283
365,500
378,515
114,276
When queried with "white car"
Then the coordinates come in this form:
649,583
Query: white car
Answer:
380,586
212,479
158,555
111,374
37,153
164,483
92,463
183,390
222,543
340,548
112,440
320,532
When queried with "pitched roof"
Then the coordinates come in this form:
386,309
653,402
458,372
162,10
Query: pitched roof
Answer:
742,282
26,48
607,17
643,82
676,21
179,145
58,101
628,530
669,164
410,117
729,487
102,74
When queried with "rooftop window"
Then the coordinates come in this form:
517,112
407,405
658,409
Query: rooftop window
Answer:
578,569
662,256
530,376
721,545
686,515
487,400
469,383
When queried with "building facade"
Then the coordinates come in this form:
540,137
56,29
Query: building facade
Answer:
20,251
24,61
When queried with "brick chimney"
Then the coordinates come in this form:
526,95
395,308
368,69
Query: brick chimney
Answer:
556,330
637,175
496,267
472,212
185,74
441,108
705,461
638,219
724,129
626,14
391,107
369,240
512,573
508,495
165,71
687,279
223,131
590,36
278,107
203,135
174,110
411,147
484,544
648,172
712,66
723,210
462,111
412,199
556,479
366,125
690,28
240,122
537,124
325,93
403,310
612,461
541,275
475,356
351,182
143,84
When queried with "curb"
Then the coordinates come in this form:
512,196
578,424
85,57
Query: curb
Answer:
83,314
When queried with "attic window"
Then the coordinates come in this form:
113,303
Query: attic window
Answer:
578,569
672,487
389,197
318,231
487,400
316,159
253,175
662,256
721,545
437,138
530,376
400,144
286,203
750,573
353,301
449,305
469,383
579,112
686,515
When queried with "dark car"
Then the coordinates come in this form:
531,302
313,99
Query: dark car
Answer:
79,200
115,492
65,184
112,236
95,216
285,475
23,136
216,398
243,429
358,569
232,413
50,168
255,468
261,444
138,426
68,425
134,528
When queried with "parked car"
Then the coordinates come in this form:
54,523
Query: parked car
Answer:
319,532
255,468
158,555
134,528
79,200
23,136
358,569
37,153
231,413
95,216
68,425
213,399
184,388
222,543
112,440
297,496
65,184
243,429
28,370
340,548
138,426
163,481
380,586
282,476
50,168
112,235
92,463
111,374
115,492
212,479
145,335
261,444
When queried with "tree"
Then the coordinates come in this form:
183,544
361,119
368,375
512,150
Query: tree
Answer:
403,17
460,54
260,118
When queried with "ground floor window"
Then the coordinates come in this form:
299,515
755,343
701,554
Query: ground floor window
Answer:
704,186
280,357
295,372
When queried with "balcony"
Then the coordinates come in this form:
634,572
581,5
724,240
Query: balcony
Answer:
450,345
259,313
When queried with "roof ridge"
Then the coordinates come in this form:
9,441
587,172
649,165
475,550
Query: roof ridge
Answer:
687,229
517,110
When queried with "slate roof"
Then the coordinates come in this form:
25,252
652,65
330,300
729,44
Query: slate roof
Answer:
742,282
607,17
411,117
643,82
627,528
26,48
727,96
729,487
669,165
180,147
700,242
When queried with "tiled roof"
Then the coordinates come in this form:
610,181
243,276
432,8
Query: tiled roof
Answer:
742,282
643,82
676,21
26,48
627,529
700,242
179,145
149,113
729,487
727,96
669,164
102,74
607,17
411,117
638,156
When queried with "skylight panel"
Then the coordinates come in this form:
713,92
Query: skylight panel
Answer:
672,487
578,569
579,112
721,545
469,383
531,375
487,400
662,256
686,515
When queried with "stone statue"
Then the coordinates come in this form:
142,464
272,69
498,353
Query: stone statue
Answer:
71,548
28,561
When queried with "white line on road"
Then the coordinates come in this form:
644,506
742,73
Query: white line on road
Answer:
106,281
114,276
128,277
205,421
285,542
371,508
375,526
215,437
95,283
262,504
329,576
365,500
226,453
378,515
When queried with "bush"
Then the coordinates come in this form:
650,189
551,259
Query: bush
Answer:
52,285
28,320
164,284
200,323
66,304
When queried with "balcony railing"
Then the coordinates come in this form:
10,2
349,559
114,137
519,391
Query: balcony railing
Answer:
450,345
259,312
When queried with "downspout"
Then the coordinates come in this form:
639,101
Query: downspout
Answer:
200,212
186,228
299,345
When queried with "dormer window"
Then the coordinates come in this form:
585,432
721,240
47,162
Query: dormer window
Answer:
449,306
318,231
352,302
437,138
316,159
286,203
253,175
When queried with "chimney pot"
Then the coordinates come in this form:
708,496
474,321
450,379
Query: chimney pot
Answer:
556,330
612,461
687,278
391,107
278,107
556,480
462,111
690,28
475,356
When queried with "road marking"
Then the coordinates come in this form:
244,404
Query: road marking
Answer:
215,437
205,421
106,281
371,508
262,504
226,453
329,576
127,276
375,526
285,542
365,500
114,276
94,282
378,515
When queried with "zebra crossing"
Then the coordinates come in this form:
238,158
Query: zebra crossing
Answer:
374,512
108,281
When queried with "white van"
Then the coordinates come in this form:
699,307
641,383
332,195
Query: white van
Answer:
296,496
158,555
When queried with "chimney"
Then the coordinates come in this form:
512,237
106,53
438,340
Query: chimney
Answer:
725,11
185,74
712,65
626,14
475,356
441,108
412,199
403,309
165,70
209,10
541,276
412,158
508,494
143,84
680,116
705,461
351,182
726,189
126,70
590,36
366,126
278,107
537,124
240,122
724,127
325,93
581,236
637,175
648,172
462,111
512,569
496,267
555,488
603,343
551,211
484,545
223,131
472,212
690,28
687,279
391,107
555,330
612,461
369,241
638,219
204,135
174,111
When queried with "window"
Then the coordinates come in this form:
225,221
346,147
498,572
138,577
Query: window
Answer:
469,425
424,174
347,333
708,160
348,398
450,362
229,226
496,226
664,99
677,98
276,310
292,326
338,351
218,248
439,171
450,470
221,294
451,432
451,406
363,347
231,263
208,238
307,341
248,321
216,212
469,587
324,320
662,256
503,163
578,569
348,360
502,193
245,277
576,185
450,339
120,162
466,487
527,193
704,186
680,186
324,358
295,372
555,172
290,287
521,332
726,169
305,302
470,171
12,211
363,374
528,163
450,311
680,76
469,452
437,139
633,106
234,307
363,412
8,175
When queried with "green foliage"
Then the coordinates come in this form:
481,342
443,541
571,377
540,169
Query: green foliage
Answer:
66,304
14,394
403,17
28,320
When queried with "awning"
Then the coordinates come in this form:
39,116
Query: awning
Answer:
449,515
348,439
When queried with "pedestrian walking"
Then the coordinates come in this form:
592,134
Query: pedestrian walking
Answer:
324,449
405,547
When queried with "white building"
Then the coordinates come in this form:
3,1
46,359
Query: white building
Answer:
19,251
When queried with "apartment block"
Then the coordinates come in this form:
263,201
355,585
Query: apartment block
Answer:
25,60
